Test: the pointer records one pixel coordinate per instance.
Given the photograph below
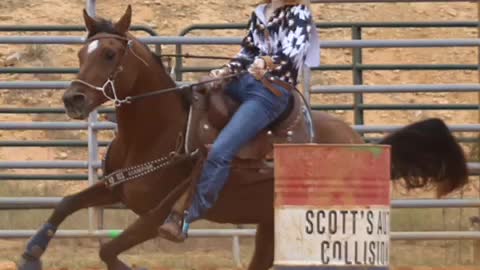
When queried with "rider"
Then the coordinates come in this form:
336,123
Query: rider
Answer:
281,39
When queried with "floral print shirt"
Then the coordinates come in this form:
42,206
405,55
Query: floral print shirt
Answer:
284,38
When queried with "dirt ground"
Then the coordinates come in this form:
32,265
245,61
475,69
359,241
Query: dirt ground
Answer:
169,17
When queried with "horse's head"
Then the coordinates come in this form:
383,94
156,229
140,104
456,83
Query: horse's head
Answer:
109,64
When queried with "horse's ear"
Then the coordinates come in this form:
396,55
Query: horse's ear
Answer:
123,24
90,22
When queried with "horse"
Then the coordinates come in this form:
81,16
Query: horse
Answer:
114,65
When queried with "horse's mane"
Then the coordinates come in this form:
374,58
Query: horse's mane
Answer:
107,26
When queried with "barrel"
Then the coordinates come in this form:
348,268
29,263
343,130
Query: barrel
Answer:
332,207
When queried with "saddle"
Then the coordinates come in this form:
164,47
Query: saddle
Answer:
211,111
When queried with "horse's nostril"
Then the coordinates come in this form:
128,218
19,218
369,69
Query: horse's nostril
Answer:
74,99
78,99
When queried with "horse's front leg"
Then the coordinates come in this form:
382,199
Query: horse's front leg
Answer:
96,195
143,229
146,227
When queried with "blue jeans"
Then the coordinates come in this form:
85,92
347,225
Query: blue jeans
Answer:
259,108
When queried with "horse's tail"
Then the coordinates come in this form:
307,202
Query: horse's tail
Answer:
426,153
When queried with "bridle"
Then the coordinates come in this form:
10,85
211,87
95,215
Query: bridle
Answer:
119,68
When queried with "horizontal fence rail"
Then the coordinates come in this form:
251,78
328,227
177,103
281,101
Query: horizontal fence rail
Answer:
405,88
44,177
205,233
403,107
365,67
391,128
48,164
32,85
474,167
60,143
84,144
44,110
330,89
65,28
174,40
111,125
30,203
328,25
209,233
84,164
56,126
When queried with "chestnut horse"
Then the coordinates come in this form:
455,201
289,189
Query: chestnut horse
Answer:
114,65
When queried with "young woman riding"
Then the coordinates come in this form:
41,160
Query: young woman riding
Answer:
281,39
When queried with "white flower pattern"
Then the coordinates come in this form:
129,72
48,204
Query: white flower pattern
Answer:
287,43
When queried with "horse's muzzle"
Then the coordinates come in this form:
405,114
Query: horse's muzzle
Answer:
76,103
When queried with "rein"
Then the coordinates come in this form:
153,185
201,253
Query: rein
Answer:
173,89
129,48
187,55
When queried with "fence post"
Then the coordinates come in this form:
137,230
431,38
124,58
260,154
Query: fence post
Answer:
237,257
91,7
95,214
178,63
357,77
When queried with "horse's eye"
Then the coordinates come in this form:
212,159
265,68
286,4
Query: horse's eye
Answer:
110,55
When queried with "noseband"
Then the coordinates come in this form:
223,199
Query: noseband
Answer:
111,78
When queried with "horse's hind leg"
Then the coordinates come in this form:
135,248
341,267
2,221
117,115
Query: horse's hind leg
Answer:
96,195
264,247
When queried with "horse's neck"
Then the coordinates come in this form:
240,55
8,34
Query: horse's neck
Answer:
152,123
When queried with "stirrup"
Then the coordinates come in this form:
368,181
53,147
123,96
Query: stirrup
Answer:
184,224
179,232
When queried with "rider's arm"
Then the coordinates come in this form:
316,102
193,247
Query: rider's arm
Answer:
294,44
248,52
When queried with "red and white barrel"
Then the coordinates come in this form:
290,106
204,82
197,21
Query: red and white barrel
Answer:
332,207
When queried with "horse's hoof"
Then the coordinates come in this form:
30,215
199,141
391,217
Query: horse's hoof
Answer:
120,266
29,264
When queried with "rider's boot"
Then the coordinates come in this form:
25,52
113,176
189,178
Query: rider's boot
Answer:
175,228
